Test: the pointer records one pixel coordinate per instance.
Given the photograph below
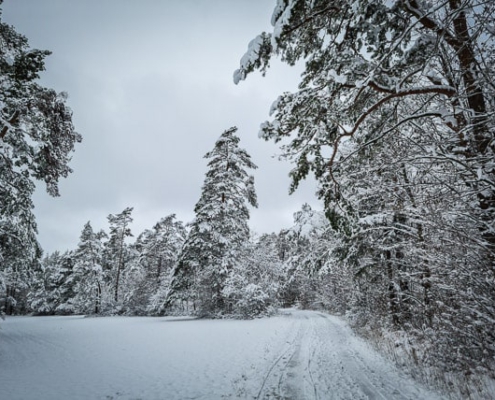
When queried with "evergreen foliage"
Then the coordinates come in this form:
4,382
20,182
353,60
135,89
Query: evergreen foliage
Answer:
220,229
88,272
158,249
394,117
36,139
117,249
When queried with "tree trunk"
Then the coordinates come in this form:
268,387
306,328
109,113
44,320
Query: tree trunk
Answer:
98,298
477,105
120,264
392,291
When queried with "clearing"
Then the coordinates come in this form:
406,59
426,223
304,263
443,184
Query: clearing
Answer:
296,355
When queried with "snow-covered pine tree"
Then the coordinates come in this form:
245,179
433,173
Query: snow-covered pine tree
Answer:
220,228
36,139
373,68
304,259
65,284
116,247
161,246
394,117
52,286
19,257
89,272
43,296
252,286
157,251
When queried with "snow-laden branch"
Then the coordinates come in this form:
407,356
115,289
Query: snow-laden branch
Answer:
423,18
385,133
435,89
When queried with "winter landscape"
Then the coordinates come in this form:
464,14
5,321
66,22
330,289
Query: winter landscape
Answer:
296,355
177,270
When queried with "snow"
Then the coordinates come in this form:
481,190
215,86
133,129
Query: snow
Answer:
296,355
281,18
309,222
333,75
373,219
249,58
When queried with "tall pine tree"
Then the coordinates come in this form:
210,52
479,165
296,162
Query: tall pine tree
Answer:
36,139
116,247
89,272
220,228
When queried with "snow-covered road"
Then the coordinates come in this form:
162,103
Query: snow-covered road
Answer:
297,355
324,360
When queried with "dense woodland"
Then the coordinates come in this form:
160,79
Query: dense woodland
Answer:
394,116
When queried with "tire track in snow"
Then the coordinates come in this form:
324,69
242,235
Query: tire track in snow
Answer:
277,381
269,374
324,360
313,383
359,369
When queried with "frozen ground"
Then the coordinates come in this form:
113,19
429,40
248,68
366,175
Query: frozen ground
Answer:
297,355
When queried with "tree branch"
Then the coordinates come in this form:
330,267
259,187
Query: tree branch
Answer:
11,121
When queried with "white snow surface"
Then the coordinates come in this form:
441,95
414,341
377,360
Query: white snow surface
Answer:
296,355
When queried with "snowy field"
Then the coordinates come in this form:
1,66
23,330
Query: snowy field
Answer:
297,355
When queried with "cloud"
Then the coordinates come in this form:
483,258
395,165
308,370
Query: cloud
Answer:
150,84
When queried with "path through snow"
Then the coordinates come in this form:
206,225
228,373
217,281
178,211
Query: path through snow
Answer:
324,360
297,355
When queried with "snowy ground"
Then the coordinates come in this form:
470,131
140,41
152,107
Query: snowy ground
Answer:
297,355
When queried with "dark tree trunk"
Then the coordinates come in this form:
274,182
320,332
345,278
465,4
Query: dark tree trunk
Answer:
392,291
98,298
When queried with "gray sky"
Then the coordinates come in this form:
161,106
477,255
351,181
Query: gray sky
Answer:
150,84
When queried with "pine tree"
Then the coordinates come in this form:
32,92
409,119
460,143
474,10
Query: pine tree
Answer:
89,272
373,69
157,250
43,296
66,282
394,117
19,256
252,286
220,227
36,139
53,285
116,247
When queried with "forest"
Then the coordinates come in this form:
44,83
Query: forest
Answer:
394,118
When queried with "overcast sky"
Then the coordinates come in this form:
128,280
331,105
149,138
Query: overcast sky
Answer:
150,84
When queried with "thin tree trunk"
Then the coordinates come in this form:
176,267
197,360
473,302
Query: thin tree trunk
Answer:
121,262
98,297
392,292
426,272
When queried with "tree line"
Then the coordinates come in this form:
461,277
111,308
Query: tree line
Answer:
202,267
